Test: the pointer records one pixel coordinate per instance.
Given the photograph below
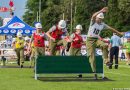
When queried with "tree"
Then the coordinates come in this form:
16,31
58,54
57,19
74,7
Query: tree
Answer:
117,16
50,12
84,11
54,10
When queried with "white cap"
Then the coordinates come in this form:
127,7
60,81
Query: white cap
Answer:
38,25
19,34
79,27
100,15
27,38
62,24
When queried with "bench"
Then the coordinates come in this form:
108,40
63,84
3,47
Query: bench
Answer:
66,65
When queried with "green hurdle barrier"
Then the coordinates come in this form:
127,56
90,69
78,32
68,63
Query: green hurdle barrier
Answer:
66,65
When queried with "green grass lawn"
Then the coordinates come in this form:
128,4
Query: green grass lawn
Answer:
23,79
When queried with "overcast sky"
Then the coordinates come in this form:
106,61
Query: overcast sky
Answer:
19,5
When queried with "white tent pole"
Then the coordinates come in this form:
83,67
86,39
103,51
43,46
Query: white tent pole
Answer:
63,16
39,10
71,15
37,16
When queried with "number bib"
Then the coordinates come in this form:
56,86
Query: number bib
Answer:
95,29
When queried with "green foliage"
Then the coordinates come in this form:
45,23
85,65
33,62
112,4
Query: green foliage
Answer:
118,15
53,10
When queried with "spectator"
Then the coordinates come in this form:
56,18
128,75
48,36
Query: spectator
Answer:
127,46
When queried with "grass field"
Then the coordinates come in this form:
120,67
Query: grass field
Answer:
23,79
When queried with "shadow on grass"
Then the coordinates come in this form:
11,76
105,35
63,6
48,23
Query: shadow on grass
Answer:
75,79
13,67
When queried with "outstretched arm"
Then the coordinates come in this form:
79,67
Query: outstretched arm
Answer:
48,33
115,31
103,10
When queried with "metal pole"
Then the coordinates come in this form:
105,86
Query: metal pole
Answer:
39,10
63,11
37,16
75,8
71,17
63,16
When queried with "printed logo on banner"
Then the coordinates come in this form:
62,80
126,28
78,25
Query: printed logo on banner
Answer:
21,31
33,31
6,31
0,31
16,25
27,31
13,31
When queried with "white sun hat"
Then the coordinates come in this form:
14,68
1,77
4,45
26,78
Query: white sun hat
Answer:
62,24
79,27
100,15
38,25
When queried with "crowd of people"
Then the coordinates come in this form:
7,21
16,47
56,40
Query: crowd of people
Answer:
60,40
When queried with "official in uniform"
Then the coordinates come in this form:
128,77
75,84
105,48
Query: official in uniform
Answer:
115,44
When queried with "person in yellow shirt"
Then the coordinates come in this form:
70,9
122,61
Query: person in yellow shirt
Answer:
19,49
127,46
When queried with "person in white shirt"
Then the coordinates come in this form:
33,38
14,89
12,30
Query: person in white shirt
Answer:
96,26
